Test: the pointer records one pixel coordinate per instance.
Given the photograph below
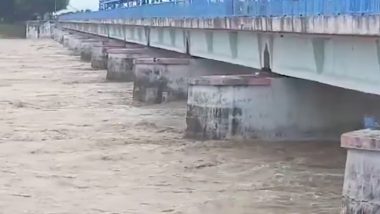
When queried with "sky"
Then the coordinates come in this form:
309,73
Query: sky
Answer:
84,4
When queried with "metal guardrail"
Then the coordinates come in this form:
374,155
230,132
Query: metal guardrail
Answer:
227,8
308,7
175,9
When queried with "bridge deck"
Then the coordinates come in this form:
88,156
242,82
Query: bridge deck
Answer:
297,38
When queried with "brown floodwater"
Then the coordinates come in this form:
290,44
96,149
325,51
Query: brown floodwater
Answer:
70,142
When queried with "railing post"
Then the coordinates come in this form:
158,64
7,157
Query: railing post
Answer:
229,7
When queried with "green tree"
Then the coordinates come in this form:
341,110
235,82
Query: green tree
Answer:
28,9
6,10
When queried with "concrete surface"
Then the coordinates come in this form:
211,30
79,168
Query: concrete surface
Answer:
273,108
166,79
58,34
85,48
120,62
160,79
368,25
361,189
39,29
99,54
342,51
76,43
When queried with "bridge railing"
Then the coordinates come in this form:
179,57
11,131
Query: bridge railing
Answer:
307,7
179,8
227,8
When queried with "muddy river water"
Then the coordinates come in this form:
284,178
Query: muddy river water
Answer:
70,142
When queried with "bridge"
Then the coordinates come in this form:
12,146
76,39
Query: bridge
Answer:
332,42
329,41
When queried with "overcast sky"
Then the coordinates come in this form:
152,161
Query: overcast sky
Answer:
84,4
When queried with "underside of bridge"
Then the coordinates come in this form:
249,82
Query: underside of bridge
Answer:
347,61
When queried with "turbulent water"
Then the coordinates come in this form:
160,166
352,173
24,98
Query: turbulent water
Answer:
70,142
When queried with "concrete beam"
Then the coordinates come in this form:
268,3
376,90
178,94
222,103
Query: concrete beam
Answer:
347,62
368,25
173,39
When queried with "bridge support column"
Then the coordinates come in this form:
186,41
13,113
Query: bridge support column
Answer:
39,29
66,39
361,189
160,79
166,78
120,62
99,54
271,107
80,44
87,45
74,41
85,49
58,35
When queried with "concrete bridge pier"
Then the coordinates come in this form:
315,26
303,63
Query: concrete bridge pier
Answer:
75,42
268,107
361,189
66,39
71,41
120,62
58,34
86,47
99,53
82,47
39,29
160,79
165,79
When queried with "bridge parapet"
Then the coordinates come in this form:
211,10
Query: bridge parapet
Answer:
297,38
342,17
227,8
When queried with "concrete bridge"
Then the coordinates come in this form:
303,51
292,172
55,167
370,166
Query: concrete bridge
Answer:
332,42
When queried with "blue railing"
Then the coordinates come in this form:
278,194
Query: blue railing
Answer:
226,8
308,7
111,4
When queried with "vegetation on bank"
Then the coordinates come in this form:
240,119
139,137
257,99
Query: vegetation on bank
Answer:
14,13
21,10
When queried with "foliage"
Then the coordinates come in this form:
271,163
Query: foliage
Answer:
15,10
